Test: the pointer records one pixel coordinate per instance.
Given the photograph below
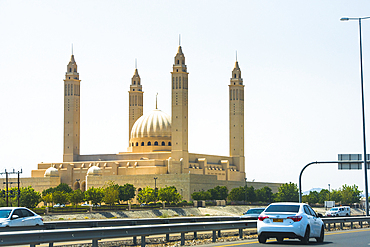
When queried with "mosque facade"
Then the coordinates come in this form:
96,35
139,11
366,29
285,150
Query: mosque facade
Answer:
157,153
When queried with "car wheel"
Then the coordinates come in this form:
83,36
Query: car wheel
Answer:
280,239
321,238
306,237
261,239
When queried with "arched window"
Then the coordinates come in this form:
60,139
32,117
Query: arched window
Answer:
177,85
156,143
137,144
132,144
139,190
142,144
149,143
75,70
169,143
234,75
180,82
178,61
163,144
134,82
70,69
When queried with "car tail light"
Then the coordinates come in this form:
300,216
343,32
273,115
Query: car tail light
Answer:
261,218
295,218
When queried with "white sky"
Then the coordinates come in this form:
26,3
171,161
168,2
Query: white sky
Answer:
299,63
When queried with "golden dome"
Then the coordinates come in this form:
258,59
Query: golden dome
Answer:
94,171
153,124
51,172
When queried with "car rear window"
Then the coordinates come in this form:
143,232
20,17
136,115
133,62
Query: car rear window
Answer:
254,211
282,209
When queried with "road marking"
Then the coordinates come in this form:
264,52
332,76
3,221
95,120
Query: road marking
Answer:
256,242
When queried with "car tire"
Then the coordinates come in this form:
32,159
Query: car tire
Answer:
280,239
261,239
321,238
306,236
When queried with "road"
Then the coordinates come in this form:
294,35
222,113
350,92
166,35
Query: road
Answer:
358,237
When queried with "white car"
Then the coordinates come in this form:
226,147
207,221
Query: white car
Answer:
19,216
252,214
339,211
289,220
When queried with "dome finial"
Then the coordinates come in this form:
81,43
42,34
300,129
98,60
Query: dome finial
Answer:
156,101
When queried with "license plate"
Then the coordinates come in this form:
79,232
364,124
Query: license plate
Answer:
278,220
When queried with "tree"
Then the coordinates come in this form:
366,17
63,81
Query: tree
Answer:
251,195
237,194
60,197
169,194
95,195
111,195
29,197
313,197
63,187
264,194
201,196
48,198
219,193
76,197
350,194
48,191
146,195
324,195
126,192
336,196
287,193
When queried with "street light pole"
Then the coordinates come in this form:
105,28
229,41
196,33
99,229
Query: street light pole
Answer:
363,108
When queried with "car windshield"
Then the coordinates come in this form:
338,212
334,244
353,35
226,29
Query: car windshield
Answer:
254,211
281,208
5,213
334,209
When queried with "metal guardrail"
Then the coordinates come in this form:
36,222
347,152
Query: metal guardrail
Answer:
83,230
36,237
343,220
118,222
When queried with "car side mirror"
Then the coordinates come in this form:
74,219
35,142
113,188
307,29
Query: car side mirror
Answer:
14,217
320,215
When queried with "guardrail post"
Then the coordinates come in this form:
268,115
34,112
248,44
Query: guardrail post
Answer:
195,235
361,224
134,240
214,236
167,237
95,243
183,238
351,225
51,244
341,225
241,233
142,241
219,233
328,226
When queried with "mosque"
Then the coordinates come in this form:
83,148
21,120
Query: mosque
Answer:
158,147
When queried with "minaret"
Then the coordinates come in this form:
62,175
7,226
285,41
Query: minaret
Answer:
135,101
179,116
236,94
71,112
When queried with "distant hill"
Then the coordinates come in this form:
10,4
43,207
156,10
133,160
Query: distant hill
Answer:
313,189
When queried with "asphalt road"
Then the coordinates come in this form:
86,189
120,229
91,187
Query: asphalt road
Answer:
358,237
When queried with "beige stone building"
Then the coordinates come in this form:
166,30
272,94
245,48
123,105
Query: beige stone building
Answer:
158,145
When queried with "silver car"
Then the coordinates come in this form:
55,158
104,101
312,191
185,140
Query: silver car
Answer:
252,214
19,216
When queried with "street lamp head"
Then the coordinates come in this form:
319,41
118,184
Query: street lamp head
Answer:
344,19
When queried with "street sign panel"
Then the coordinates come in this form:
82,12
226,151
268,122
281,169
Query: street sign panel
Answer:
353,165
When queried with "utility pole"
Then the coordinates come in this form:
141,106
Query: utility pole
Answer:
7,184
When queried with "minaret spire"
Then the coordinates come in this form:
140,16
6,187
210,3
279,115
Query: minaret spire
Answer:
179,39
135,100
72,49
156,101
